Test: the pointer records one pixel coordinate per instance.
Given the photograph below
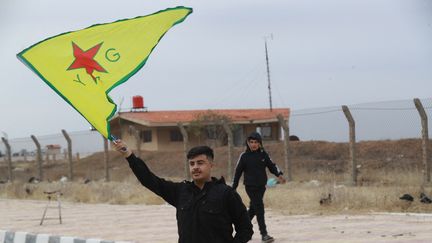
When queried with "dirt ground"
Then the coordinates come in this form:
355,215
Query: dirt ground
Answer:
386,170
156,223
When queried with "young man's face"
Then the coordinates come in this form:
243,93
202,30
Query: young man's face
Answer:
253,144
200,168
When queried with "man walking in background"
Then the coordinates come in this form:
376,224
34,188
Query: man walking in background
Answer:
206,207
253,163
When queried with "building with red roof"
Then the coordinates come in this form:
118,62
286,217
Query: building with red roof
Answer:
160,130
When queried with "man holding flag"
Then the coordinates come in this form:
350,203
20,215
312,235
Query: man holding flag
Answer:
206,207
84,66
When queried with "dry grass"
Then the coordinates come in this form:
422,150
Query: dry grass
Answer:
291,198
381,193
93,192
388,170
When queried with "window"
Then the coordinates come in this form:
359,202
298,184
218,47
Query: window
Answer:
176,136
266,131
146,136
211,132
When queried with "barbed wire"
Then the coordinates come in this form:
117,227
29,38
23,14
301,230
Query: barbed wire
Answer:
399,118
317,112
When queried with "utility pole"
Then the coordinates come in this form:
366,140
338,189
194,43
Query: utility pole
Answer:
268,72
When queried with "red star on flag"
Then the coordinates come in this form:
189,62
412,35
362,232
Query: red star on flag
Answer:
84,59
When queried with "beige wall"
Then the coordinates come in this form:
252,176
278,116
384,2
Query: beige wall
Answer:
154,144
275,130
165,143
164,140
161,137
130,140
248,129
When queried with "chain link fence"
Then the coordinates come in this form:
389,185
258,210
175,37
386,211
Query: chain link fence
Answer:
390,120
324,133
54,146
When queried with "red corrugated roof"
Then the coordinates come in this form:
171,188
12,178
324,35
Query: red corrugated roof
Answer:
185,116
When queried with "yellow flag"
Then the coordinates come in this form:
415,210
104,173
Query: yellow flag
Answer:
84,66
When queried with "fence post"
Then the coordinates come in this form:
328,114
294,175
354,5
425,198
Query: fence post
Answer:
185,148
425,140
9,158
228,131
136,134
38,156
106,159
69,142
285,126
351,123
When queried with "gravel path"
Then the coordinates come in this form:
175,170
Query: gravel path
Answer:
141,223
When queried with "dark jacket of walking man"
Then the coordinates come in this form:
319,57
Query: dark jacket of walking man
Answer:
206,207
253,163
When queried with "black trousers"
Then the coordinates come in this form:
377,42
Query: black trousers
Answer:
256,206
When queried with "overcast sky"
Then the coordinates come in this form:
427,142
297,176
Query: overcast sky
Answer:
323,53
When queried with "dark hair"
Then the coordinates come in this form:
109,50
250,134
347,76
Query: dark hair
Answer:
255,136
195,151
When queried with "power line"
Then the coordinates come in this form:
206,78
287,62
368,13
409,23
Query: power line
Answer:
318,112
233,90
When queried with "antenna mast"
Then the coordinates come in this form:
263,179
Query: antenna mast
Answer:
268,73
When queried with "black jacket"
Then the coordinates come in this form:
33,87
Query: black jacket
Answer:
203,216
253,164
